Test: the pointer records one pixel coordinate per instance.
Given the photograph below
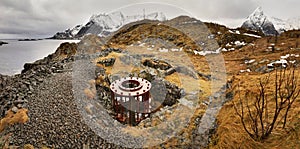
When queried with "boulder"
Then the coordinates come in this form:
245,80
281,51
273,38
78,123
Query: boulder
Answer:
157,64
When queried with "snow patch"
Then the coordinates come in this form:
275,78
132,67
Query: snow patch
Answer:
228,45
281,62
252,35
190,22
176,50
203,53
163,50
247,70
142,44
285,56
250,61
238,43
234,32
224,50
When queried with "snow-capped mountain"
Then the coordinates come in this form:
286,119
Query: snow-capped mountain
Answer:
260,22
285,25
279,24
104,24
269,25
75,30
68,33
293,23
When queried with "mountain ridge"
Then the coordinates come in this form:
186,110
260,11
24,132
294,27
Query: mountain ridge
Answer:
104,24
260,21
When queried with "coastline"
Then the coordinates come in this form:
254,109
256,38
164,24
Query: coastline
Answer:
16,53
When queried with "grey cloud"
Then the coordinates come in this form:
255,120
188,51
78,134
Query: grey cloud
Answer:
45,17
214,9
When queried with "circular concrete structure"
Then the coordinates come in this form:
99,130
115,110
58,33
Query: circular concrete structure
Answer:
131,99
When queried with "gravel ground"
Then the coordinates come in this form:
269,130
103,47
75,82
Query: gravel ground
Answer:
54,119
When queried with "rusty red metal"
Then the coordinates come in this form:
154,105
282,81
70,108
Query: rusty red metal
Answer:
131,99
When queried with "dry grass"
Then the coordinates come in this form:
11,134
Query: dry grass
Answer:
12,118
174,78
230,133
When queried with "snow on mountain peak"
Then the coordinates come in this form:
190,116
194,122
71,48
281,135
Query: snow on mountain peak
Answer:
269,25
293,23
113,21
258,17
104,24
259,21
108,21
258,12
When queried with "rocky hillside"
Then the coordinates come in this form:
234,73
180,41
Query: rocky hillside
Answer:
185,33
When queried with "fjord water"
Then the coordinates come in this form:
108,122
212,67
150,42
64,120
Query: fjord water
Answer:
16,53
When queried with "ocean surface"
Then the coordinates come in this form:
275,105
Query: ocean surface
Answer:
16,53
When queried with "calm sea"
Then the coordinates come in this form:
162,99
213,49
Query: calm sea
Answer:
16,53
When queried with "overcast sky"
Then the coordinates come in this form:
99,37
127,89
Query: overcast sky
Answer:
43,18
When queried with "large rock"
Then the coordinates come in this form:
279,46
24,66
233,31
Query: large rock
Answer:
65,50
157,64
3,81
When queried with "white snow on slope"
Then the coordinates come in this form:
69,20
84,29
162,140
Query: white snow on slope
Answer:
252,35
285,25
259,19
113,21
75,30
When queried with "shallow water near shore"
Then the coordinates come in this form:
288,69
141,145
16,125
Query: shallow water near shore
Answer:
16,53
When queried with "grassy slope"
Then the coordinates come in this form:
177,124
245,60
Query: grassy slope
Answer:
230,133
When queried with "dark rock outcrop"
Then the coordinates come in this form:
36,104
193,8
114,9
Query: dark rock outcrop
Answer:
157,64
68,33
2,42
